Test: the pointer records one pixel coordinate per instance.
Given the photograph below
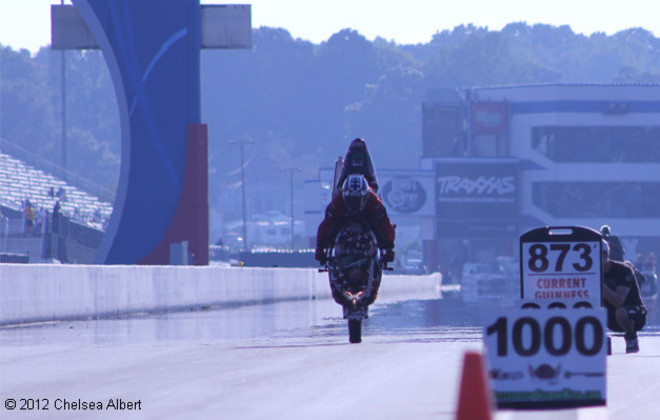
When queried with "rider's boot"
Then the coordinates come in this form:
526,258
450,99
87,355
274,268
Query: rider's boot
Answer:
632,343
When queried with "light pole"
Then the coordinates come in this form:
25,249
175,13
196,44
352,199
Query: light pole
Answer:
63,75
245,237
291,171
1,98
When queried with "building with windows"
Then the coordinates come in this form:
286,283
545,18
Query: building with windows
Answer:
499,161
584,155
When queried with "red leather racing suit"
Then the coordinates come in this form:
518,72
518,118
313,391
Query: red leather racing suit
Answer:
336,214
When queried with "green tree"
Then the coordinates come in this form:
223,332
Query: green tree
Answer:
27,114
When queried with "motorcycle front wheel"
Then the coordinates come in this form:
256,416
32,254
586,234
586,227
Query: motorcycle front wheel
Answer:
355,330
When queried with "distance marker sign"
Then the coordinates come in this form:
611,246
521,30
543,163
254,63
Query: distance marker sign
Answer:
547,358
561,266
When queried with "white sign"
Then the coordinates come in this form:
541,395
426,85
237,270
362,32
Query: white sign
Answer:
561,268
226,26
404,193
547,358
407,193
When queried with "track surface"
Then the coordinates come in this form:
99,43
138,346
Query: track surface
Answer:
279,361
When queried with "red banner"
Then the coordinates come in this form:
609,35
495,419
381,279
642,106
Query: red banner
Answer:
489,117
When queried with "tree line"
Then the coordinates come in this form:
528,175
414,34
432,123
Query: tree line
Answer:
300,102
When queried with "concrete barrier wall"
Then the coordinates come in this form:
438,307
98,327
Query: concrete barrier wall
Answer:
43,292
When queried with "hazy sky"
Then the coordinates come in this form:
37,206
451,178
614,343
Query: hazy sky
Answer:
26,23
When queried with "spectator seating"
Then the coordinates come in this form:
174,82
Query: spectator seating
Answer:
20,182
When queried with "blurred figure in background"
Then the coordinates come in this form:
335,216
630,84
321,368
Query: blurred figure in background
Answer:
57,212
649,264
617,251
29,218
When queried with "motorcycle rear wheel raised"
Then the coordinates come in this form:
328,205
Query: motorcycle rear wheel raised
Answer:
354,330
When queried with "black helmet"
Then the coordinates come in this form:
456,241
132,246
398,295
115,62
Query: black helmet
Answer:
605,230
355,192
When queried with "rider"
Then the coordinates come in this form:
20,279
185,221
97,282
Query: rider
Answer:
616,247
357,202
625,309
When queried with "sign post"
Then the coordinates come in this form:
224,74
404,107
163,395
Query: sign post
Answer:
542,356
547,358
477,198
561,267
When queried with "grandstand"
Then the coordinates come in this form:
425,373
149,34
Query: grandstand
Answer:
86,215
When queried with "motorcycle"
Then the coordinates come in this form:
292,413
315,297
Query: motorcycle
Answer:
355,267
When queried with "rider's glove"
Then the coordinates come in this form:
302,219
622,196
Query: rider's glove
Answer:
388,255
320,256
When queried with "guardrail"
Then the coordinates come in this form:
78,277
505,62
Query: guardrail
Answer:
45,292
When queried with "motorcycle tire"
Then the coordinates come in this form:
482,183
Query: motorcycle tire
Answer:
355,330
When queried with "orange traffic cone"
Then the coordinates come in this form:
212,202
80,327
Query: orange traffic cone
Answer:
474,402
